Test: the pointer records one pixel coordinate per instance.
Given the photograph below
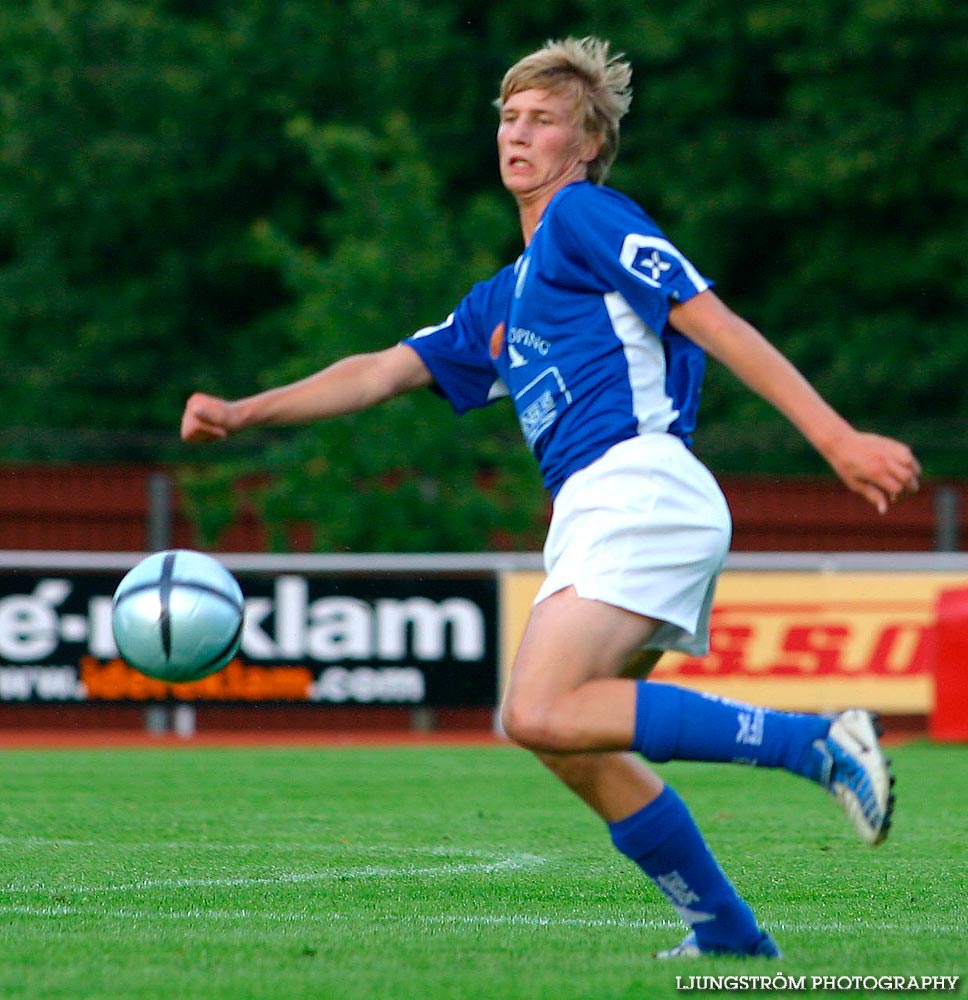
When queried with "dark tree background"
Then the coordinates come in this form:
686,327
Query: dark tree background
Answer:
218,196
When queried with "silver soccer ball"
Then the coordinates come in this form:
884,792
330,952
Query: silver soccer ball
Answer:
178,616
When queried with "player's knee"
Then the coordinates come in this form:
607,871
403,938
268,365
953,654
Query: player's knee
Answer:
533,727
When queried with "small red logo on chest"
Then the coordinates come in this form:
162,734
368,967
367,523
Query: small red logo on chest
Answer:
497,341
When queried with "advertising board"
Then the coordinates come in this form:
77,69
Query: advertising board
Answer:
808,632
810,635
426,639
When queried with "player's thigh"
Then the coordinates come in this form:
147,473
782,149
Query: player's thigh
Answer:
570,640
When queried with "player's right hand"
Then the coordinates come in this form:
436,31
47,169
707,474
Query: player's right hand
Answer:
206,418
879,468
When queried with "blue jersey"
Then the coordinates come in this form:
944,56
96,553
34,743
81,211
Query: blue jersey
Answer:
576,332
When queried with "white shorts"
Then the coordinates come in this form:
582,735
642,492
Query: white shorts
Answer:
645,527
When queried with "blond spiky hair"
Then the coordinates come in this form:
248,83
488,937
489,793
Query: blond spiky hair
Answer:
600,84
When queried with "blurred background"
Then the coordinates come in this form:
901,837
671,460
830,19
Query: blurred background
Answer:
223,195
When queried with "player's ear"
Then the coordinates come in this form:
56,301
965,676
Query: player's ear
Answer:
591,146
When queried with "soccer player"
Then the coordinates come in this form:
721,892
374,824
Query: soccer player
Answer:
598,333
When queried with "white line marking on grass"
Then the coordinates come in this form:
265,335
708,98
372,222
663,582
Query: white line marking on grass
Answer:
476,862
197,914
41,911
45,842
480,920
38,843
522,920
319,844
514,862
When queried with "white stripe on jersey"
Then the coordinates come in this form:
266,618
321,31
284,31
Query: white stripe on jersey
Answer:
645,358
426,331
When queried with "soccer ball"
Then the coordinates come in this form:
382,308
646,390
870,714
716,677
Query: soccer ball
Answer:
178,616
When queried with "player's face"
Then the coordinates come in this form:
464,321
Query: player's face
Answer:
540,145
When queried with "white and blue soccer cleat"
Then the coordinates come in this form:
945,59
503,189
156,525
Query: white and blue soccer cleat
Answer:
857,774
688,947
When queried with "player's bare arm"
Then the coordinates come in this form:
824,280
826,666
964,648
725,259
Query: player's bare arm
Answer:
877,467
355,383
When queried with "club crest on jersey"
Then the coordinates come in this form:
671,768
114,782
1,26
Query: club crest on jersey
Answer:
654,265
650,258
497,341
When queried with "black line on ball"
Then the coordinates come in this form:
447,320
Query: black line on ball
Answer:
189,584
164,592
230,645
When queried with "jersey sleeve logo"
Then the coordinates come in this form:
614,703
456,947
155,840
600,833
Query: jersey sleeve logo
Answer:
654,264
652,258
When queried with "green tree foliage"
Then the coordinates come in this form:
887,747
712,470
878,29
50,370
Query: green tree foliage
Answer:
221,195
834,173
139,146
130,178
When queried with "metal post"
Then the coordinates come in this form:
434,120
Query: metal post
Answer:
156,719
158,529
184,721
423,719
158,536
947,519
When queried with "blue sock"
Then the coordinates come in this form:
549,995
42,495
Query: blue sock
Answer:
673,723
664,841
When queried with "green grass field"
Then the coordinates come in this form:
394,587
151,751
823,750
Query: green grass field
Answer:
438,873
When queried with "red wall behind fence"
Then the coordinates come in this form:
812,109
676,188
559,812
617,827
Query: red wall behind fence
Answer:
105,508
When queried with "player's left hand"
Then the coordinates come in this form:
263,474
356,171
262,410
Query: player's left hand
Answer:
879,468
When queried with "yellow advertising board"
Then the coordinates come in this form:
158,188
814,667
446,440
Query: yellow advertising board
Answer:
801,640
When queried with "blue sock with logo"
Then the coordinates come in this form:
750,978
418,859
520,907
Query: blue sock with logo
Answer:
673,723
664,841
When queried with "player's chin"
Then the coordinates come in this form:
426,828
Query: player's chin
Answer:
515,181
